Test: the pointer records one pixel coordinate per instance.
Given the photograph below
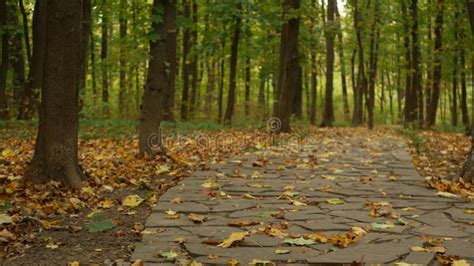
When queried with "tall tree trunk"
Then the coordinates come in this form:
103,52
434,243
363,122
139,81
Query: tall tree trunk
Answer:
340,48
408,109
103,55
454,97
220,95
161,75
297,105
195,63
373,58
56,148
361,87
211,83
36,71
186,71
122,55
289,64
328,113
314,89
438,30
87,22
467,173
464,111
417,90
4,114
93,64
26,31
233,64
17,61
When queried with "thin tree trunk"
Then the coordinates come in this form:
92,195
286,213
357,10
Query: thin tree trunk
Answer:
261,93
122,55
342,64
161,75
16,58
194,63
464,111
233,65
103,55
220,95
358,114
438,30
211,80
408,111
56,149
26,31
93,64
417,90
328,114
314,88
248,79
4,114
186,71
373,58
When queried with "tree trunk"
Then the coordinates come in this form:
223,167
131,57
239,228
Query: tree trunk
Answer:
35,75
467,173
103,55
93,64
261,93
314,89
56,148
122,55
373,58
361,87
4,114
186,63
160,76
233,65
342,64
417,90
435,91
211,82
220,95
328,114
194,63
289,64
17,61
464,111
248,79
26,32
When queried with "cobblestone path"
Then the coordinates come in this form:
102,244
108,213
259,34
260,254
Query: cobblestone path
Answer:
331,186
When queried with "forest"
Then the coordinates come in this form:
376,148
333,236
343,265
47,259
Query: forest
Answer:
90,88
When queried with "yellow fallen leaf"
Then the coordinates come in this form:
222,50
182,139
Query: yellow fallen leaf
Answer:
460,263
132,201
137,263
106,204
233,262
74,263
297,203
320,237
447,195
469,211
233,237
162,169
52,246
335,201
358,231
409,209
7,153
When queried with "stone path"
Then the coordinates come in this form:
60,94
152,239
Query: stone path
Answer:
355,169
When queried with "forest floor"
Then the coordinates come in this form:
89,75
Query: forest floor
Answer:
106,219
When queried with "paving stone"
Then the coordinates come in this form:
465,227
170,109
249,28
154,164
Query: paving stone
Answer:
351,163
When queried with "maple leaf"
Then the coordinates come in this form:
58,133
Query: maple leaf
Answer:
232,238
132,201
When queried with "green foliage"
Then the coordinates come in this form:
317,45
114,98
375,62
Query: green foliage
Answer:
416,140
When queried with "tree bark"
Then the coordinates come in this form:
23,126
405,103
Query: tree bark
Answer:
467,173
4,113
248,79
361,87
17,60
186,71
122,55
56,148
195,62
340,48
435,91
454,97
103,55
373,58
161,75
328,114
233,65
464,111
417,90
314,89
289,64
26,31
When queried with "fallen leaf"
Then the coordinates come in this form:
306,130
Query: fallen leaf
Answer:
233,237
381,226
335,201
168,254
176,201
6,236
197,218
233,262
320,237
132,201
243,223
447,195
260,262
162,169
299,241
282,251
52,246
5,219
137,263
100,226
